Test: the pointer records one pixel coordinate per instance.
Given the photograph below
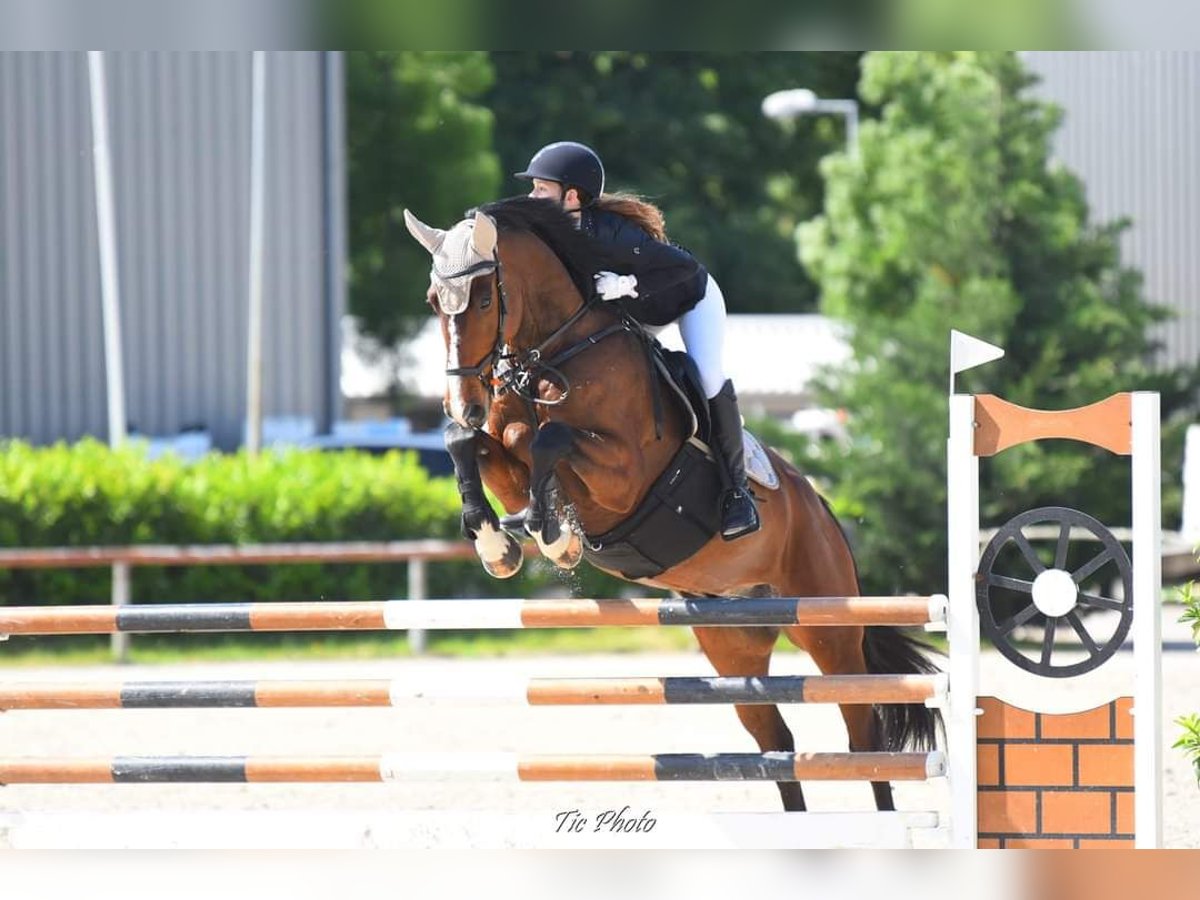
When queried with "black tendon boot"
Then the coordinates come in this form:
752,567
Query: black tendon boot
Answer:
739,516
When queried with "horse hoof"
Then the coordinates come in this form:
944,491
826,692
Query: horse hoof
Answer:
506,567
567,551
574,554
503,564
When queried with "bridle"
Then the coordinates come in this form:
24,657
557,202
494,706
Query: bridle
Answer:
493,356
526,368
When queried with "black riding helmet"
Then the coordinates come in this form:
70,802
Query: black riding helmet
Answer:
570,164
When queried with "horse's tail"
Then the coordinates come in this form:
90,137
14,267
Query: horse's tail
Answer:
891,651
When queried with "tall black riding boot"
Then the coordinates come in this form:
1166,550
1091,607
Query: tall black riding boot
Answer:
739,516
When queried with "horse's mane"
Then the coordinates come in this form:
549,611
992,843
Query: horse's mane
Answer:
582,256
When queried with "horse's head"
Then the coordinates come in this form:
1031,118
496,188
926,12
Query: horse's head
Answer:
507,277
464,293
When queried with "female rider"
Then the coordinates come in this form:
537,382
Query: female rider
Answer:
667,285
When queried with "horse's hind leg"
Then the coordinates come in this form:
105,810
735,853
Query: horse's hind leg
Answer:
747,651
839,651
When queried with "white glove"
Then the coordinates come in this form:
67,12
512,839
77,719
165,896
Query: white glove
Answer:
611,286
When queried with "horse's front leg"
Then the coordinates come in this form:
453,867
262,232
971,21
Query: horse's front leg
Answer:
499,552
560,539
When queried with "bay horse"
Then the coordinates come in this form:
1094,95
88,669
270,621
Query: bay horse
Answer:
552,405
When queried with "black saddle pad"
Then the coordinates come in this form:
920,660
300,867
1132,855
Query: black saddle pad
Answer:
679,515
681,512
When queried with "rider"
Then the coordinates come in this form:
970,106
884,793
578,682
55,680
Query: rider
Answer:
668,285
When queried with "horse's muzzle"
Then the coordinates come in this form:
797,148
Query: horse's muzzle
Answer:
474,415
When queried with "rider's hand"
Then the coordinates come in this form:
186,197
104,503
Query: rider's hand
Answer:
611,286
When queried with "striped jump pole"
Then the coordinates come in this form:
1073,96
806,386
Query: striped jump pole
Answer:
841,689
777,766
403,615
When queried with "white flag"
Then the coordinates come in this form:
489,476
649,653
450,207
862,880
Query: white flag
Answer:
967,352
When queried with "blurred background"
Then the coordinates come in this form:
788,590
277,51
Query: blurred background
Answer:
1048,202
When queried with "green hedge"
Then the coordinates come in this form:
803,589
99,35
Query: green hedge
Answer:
88,494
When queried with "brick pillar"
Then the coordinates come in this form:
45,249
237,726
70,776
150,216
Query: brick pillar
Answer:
1055,781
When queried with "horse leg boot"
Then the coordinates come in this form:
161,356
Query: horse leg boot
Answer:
739,516
559,541
500,554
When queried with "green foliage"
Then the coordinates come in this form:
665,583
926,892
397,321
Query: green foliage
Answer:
441,131
951,216
708,23
1189,740
1191,609
416,137
686,130
1019,23
87,494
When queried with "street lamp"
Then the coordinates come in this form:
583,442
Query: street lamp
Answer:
802,102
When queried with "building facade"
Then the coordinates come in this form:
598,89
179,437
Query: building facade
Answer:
1131,132
179,133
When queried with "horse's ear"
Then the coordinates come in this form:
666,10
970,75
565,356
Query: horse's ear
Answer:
483,238
426,235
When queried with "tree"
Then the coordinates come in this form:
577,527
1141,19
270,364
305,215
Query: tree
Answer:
953,217
686,129
416,137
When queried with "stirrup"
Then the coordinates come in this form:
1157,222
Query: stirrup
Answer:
749,521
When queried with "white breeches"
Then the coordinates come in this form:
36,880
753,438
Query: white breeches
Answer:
703,331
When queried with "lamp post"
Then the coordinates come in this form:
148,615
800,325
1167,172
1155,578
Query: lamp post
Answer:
795,102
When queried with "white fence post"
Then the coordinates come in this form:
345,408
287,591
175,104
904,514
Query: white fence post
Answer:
962,517
121,589
1190,526
1146,463
416,591
106,231
254,328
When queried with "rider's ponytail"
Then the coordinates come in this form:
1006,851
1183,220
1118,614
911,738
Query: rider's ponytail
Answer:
641,212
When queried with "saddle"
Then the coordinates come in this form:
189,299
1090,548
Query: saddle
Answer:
682,377
680,513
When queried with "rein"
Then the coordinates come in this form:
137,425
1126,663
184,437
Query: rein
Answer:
526,368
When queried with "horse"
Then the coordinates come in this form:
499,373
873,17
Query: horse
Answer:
553,407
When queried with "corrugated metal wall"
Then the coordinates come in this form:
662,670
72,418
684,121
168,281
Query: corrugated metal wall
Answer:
179,130
1132,132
